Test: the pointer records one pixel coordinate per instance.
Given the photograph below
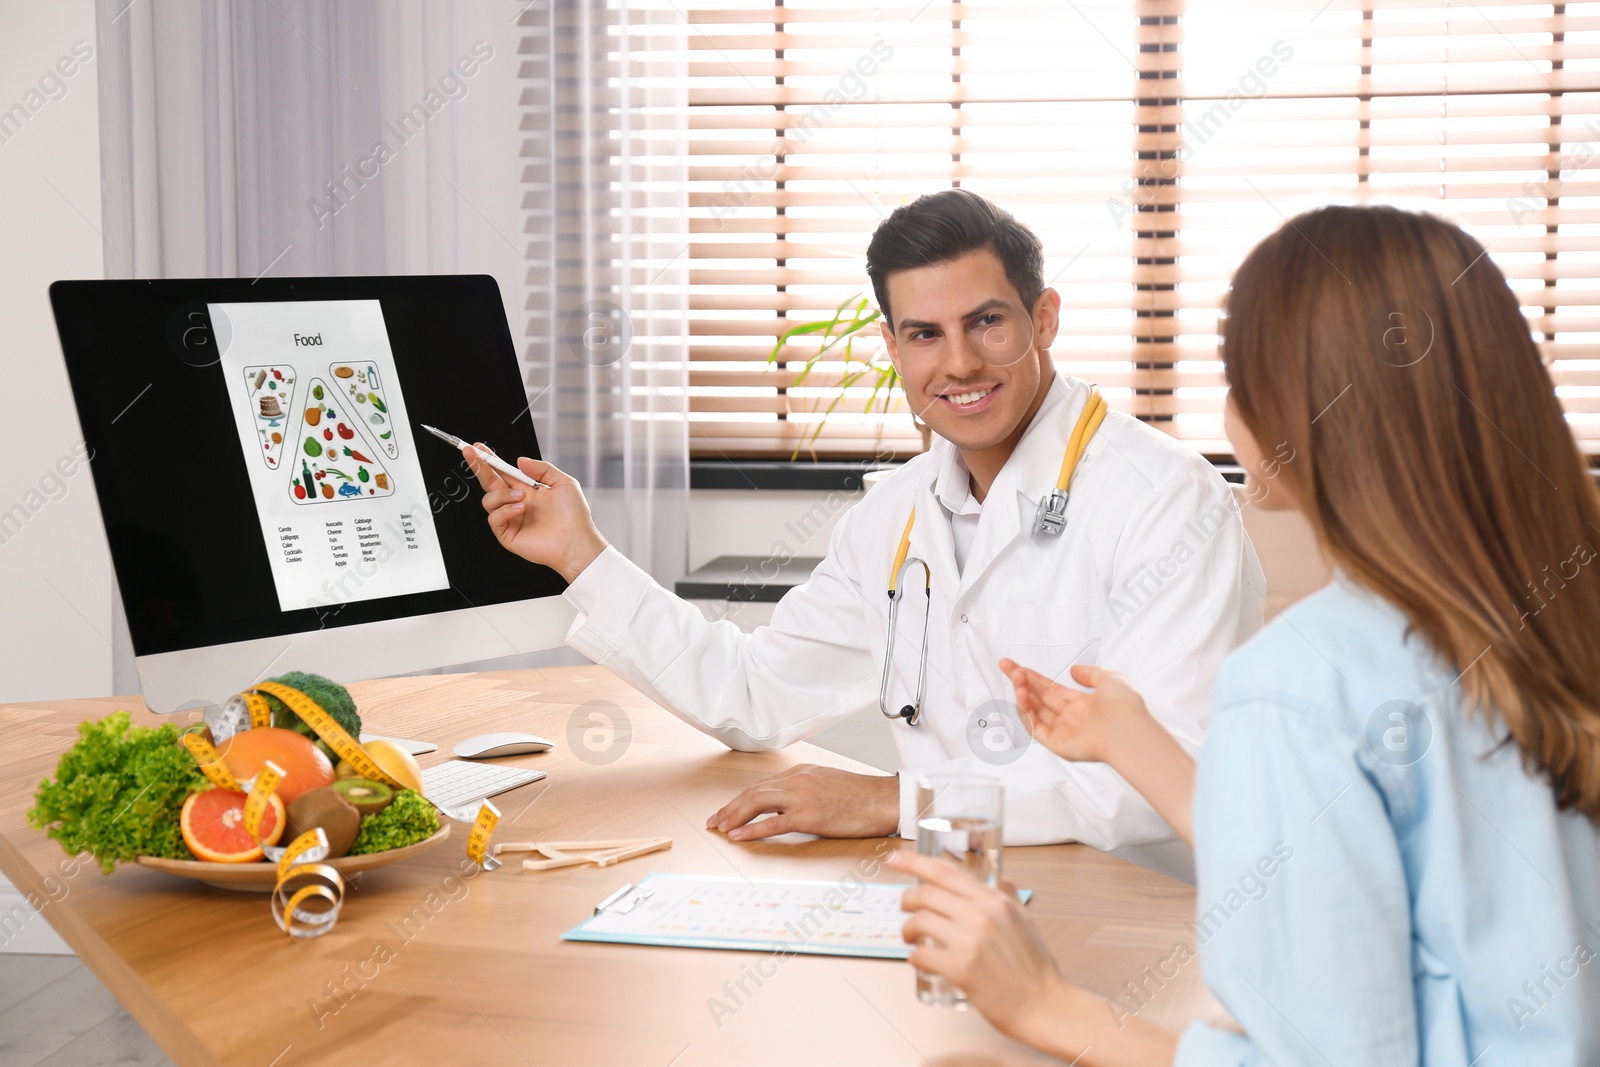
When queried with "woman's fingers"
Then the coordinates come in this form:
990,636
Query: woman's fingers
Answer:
1054,696
1027,703
933,898
949,933
1091,676
939,872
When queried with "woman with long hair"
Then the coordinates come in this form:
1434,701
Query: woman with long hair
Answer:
1395,810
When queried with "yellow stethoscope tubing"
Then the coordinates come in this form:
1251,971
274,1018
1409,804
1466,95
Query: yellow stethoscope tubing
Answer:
1089,420
900,554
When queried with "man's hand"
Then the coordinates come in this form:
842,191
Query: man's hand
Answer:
813,800
548,526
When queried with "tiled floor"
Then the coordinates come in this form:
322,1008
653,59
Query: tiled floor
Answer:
54,1012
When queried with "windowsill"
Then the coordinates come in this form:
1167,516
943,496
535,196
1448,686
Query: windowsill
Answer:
752,579
826,476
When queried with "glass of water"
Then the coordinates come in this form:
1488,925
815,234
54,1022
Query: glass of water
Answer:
958,817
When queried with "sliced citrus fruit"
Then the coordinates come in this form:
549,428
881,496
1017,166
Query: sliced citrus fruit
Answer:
212,822
304,765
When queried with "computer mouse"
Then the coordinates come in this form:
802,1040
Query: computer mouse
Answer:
488,746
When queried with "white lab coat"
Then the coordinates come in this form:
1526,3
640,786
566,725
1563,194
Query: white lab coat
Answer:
1153,576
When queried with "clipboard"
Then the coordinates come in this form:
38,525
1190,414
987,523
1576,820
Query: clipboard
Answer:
839,918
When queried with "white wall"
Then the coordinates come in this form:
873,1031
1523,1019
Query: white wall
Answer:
55,574
758,522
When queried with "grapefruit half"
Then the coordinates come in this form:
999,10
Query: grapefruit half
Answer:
212,822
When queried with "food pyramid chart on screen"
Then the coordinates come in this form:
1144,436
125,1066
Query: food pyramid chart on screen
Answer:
362,393
268,394
334,458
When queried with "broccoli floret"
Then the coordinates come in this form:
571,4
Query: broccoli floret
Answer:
330,695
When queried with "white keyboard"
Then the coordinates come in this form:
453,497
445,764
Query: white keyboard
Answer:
459,782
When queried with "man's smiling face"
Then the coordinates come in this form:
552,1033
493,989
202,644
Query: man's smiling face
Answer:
973,359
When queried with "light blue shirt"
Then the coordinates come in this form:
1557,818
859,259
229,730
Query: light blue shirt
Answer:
1379,883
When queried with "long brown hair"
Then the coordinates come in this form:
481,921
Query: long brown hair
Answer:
1432,459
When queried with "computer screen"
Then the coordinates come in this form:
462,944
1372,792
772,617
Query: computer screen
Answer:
261,468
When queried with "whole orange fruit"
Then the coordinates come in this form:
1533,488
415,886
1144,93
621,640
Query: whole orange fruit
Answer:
304,765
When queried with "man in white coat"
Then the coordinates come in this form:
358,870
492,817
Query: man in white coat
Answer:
1152,576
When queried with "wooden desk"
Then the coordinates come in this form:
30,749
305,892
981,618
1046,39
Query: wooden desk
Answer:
475,971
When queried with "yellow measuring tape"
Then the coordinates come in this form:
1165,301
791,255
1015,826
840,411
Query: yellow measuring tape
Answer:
322,724
478,840
262,787
211,765
309,847
303,877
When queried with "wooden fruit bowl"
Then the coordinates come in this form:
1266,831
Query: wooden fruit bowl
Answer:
260,877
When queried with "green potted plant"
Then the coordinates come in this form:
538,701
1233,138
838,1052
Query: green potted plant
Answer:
839,335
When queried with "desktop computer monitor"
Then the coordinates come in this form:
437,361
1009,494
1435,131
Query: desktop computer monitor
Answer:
270,500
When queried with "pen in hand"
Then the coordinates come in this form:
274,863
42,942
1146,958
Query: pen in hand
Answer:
488,457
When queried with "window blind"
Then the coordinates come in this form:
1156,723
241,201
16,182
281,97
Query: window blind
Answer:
1150,143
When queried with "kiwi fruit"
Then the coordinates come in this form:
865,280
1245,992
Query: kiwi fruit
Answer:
325,807
365,795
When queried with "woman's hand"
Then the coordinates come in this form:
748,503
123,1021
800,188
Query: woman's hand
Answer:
986,947
981,942
1075,725
1109,724
549,526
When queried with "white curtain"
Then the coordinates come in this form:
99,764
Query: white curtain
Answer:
542,143
606,118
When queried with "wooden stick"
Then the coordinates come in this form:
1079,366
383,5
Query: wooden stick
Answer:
571,846
604,856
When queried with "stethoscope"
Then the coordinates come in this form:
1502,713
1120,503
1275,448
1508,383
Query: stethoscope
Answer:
1049,522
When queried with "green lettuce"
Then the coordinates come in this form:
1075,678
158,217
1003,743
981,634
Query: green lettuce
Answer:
118,792
407,820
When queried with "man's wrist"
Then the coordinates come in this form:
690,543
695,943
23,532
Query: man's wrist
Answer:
888,822
578,557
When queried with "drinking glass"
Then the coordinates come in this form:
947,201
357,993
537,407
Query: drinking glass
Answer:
958,817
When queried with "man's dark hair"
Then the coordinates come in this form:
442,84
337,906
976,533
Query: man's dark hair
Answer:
946,225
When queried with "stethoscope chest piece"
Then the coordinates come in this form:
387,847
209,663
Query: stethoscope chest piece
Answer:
1052,516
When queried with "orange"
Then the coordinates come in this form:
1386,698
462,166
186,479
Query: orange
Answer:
304,765
212,822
